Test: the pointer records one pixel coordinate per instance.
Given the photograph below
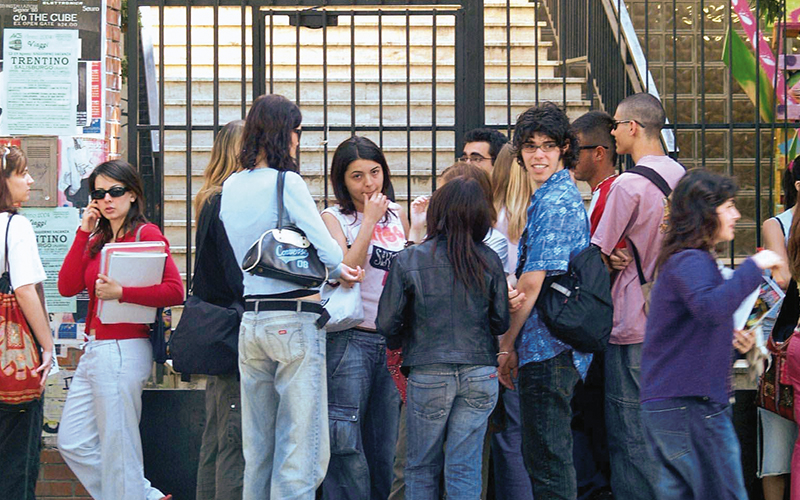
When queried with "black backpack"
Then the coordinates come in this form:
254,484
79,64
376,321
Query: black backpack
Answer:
576,306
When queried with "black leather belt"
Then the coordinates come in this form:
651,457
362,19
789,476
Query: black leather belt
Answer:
259,305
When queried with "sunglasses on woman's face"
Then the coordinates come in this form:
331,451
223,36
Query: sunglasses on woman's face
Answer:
115,192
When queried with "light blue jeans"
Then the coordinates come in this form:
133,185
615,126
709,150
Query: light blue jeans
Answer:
448,409
284,405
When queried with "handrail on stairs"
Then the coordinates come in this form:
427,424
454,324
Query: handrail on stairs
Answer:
606,39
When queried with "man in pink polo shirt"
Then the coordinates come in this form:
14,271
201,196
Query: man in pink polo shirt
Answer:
634,212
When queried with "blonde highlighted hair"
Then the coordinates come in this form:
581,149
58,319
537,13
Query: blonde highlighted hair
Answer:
512,191
224,162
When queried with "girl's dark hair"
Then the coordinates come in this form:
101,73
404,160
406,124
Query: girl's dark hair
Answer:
356,148
790,176
268,131
122,172
459,211
693,221
12,162
552,121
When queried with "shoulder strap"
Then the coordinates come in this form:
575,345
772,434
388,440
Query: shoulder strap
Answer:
638,262
8,229
653,176
783,228
139,232
281,181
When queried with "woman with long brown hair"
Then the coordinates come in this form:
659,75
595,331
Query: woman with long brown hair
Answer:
21,424
99,431
218,280
686,358
285,433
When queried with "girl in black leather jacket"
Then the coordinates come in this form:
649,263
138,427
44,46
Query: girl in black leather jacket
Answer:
447,298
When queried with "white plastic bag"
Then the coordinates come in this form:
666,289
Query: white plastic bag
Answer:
343,304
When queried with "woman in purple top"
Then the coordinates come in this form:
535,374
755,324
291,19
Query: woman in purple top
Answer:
688,348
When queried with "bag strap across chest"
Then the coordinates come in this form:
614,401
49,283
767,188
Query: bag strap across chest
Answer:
654,177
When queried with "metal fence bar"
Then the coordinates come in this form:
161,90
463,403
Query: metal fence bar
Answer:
352,72
702,78
325,136
244,58
188,146
433,102
216,67
161,73
758,126
508,64
408,110
380,78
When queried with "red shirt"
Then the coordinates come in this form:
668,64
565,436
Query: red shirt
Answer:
79,273
601,192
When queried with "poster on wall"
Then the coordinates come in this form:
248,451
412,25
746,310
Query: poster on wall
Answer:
40,78
87,19
77,158
55,230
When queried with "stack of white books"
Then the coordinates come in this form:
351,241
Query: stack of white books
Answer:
136,264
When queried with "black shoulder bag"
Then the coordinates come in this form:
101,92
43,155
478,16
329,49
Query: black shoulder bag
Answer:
285,253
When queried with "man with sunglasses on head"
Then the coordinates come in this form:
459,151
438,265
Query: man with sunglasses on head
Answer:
634,213
481,147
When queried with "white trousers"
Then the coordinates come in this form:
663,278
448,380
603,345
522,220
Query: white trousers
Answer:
99,431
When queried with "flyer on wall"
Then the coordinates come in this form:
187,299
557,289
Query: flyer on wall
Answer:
87,18
55,230
40,78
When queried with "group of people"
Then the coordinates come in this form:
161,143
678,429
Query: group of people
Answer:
452,381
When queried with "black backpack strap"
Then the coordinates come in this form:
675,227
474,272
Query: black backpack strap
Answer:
638,261
653,177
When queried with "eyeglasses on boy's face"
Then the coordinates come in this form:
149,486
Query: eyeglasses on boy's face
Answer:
546,147
115,192
617,123
473,157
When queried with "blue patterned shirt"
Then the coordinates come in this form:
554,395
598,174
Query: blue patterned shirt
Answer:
557,229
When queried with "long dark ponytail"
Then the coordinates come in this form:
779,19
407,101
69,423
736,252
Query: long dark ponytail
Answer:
459,211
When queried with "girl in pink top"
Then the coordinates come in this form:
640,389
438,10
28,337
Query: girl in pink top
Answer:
363,403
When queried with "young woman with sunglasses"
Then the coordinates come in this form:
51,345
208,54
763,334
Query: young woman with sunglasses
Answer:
21,424
99,431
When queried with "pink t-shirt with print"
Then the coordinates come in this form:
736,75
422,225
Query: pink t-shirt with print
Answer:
635,211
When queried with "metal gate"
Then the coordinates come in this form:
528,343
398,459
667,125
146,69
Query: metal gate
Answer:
352,66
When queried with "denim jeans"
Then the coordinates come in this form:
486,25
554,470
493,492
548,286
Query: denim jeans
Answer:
99,431
634,472
363,415
20,445
696,449
545,391
284,405
510,477
448,410
220,470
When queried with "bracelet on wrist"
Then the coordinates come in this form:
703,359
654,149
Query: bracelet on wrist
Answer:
501,353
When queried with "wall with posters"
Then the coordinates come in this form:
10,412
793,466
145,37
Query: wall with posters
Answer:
60,73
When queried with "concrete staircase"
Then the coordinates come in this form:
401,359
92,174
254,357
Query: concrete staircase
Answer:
414,159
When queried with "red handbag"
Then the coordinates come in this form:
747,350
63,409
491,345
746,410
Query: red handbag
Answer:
19,352
775,392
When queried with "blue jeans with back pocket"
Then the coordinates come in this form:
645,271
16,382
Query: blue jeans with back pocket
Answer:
695,445
363,415
448,410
